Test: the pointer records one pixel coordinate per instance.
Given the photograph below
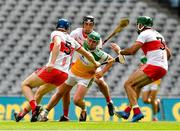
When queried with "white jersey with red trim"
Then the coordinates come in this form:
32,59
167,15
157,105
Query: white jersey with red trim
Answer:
154,48
79,36
67,47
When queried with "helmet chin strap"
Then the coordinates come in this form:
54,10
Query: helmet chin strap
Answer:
140,29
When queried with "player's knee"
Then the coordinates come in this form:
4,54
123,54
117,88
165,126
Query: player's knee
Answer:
58,94
39,94
127,84
98,82
24,85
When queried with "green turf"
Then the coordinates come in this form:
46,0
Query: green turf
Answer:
53,125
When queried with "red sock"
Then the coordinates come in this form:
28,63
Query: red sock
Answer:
66,112
23,113
33,104
136,110
108,99
128,109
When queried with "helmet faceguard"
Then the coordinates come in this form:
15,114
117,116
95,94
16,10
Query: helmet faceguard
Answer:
89,19
88,24
63,24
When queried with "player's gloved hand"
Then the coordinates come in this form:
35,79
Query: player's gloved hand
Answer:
49,67
115,47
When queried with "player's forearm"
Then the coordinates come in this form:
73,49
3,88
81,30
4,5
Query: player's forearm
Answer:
131,50
55,50
127,51
108,66
88,55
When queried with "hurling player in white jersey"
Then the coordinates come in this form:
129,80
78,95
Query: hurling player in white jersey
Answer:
55,72
80,34
155,49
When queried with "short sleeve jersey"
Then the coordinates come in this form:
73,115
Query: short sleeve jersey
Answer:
66,50
153,46
79,36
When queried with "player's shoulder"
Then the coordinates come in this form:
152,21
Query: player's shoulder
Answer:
159,34
70,38
146,32
75,31
56,33
78,29
150,31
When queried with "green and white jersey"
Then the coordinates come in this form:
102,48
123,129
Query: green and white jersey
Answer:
83,68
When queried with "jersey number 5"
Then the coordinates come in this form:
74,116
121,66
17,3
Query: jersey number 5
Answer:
68,48
67,51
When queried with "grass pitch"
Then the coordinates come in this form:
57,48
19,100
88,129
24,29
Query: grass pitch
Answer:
54,125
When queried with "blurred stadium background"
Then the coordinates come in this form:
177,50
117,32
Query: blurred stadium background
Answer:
25,26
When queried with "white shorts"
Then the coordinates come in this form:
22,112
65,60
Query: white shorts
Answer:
150,87
73,80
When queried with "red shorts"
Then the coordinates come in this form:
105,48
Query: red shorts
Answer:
55,76
154,72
